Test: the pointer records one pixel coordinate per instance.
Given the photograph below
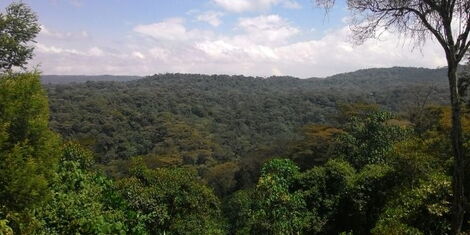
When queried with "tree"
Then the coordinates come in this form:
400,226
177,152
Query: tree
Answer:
18,27
83,202
316,147
420,210
324,189
28,148
369,138
276,209
171,200
447,21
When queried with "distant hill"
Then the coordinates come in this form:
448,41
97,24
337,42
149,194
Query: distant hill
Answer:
394,73
369,77
386,77
66,79
238,114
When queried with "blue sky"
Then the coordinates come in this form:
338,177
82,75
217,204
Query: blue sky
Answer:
250,37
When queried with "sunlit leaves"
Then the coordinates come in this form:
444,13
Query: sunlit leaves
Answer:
28,149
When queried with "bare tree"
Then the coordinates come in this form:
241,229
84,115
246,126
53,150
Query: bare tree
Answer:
419,101
447,21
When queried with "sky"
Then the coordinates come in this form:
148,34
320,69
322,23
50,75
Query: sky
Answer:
247,37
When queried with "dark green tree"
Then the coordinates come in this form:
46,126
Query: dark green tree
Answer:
171,200
325,189
369,138
18,28
423,209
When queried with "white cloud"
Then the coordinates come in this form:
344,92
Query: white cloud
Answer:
254,5
57,35
75,3
95,51
218,49
41,48
138,55
211,17
267,28
159,53
291,4
235,51
261,46
257,40
171,30
45,49
334,53
276,72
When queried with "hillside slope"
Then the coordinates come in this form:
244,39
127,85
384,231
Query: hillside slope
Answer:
237,114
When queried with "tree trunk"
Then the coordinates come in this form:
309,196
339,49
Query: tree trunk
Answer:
457,148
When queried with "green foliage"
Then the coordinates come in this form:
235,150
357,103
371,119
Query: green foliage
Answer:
281,171
4,228
372,187
424,209
239,114
316,147
238,210
343,199
369,138
324,189
177,138
222,178
73,152
172,201
18,28
28,149
272,208
415,158
84,202
381,178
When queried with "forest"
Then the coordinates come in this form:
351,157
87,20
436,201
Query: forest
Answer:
156,155
365,152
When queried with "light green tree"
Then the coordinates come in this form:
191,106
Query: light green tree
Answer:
84,202
277,209
28,148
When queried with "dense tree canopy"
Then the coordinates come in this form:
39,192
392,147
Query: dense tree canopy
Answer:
236,114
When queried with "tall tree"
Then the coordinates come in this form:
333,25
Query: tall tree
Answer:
18,28
28,148
447,21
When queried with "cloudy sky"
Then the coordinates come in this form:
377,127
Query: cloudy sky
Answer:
249,37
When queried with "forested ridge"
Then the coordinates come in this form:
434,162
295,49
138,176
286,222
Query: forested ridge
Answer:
240,113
